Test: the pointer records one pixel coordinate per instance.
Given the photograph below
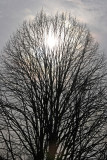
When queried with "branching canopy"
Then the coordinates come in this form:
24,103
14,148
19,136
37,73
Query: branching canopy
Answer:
53,92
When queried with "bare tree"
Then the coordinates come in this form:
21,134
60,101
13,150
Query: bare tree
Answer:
53,92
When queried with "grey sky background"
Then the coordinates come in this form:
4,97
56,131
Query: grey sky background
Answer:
91,12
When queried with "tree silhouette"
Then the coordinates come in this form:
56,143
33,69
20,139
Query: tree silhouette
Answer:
53,92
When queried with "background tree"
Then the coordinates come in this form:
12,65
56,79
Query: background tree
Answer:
53,92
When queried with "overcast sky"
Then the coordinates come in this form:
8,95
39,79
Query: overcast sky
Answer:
91,12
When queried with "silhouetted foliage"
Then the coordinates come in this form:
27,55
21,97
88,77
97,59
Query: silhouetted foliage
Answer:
53,92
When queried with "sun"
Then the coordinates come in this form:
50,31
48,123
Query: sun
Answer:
51,41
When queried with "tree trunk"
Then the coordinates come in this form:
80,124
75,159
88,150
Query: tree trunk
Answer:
52,150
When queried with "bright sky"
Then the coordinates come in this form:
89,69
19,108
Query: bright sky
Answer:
91,12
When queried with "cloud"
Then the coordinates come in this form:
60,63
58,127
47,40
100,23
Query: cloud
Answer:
27,10
29,17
